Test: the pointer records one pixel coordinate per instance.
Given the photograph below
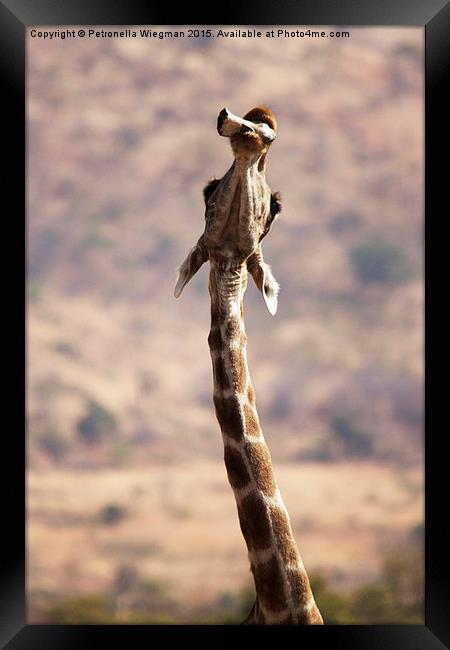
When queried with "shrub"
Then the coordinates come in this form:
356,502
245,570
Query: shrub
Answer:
321,451
403,575
126,578
66,349
355,441
377,262
396,596
120,454
333,606
418,534
134,600
374,604
112,513
409,51
34,291
154,596
232,608
94,239
92,608
54,444
42,253
344,222
96,424
201,42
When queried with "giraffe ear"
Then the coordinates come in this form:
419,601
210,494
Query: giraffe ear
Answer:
270,290
196,257
265,281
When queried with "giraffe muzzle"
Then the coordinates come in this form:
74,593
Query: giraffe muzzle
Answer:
229,124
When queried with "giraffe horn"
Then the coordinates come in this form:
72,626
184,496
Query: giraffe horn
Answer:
196,257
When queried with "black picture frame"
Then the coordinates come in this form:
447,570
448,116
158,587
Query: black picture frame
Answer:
434,16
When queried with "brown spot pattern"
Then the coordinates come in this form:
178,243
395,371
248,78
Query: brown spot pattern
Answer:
233,329
239,370
252,427
299,584
215,339
255,522
282,532
270,586
258,457
220,375
229,415
251,395
236,469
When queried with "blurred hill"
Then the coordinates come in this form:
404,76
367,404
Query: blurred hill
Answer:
121,140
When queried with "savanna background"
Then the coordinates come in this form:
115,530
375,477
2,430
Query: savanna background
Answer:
130,516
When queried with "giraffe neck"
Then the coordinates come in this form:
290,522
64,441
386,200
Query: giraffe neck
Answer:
282,586
241,197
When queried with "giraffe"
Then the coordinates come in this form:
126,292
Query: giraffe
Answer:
240,210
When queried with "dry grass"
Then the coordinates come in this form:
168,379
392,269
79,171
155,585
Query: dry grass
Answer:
181,526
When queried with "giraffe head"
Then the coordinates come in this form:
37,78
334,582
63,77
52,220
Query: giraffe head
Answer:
240,207
250,136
